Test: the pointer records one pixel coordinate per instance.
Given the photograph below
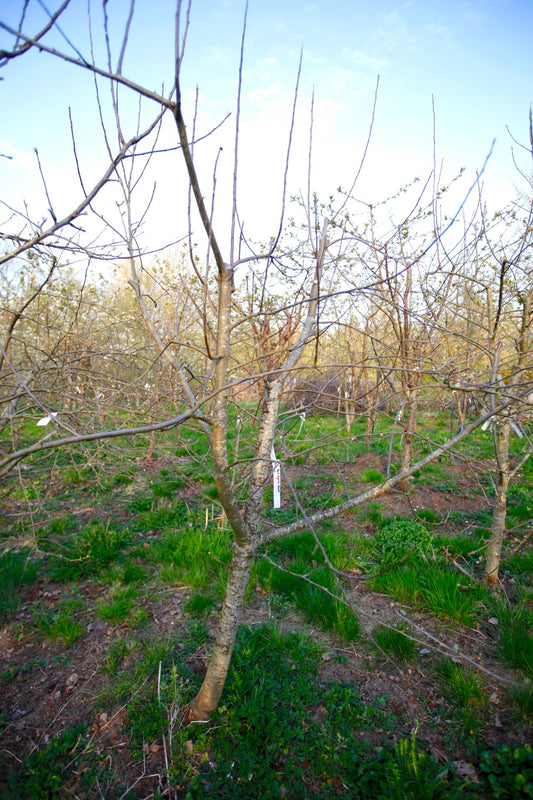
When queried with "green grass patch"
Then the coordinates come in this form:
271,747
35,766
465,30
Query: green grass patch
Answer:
468,694
395,643
84,553
199,604
119,604
449,594
434,587
515,640
372,475
60,623
192,556
314,592
17,569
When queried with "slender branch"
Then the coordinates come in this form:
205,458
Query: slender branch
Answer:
85,203
6,55
9,460
78,62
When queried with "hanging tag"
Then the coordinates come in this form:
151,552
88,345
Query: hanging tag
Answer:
516,428
276,480
45,420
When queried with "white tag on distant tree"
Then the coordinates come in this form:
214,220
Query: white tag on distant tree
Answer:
276,480
45,420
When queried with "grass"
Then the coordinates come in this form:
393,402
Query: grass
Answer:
468,694
119,605
298,737
60,623
395,643
447,593
372,475
268,718
305,589
515,640
17,569
434,587
522,700
80,554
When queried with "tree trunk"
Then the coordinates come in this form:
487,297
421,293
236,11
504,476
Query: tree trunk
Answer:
497,528
409,435
208,698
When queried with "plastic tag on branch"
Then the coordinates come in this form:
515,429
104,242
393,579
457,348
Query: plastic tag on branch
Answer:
276,480
45,420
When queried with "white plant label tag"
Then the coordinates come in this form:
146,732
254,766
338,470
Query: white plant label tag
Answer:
276,479
45,420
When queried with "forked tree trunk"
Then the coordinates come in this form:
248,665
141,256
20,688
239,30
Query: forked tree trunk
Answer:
497,528
208,698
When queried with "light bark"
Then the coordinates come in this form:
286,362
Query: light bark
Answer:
208,698
499,513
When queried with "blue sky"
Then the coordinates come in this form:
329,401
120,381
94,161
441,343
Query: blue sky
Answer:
472,56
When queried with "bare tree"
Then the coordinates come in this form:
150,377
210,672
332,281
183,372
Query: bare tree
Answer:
279,333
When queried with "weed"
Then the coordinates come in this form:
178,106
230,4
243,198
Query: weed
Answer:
65,630
317,600
464,546
374,513
73,476
116,654
508,772
428,516
431,474
281,734
139,505
166,687
397,537
122,478
57,769
166,486
402,582
97,545
12,672
409,774
134,573
191,556
519,564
